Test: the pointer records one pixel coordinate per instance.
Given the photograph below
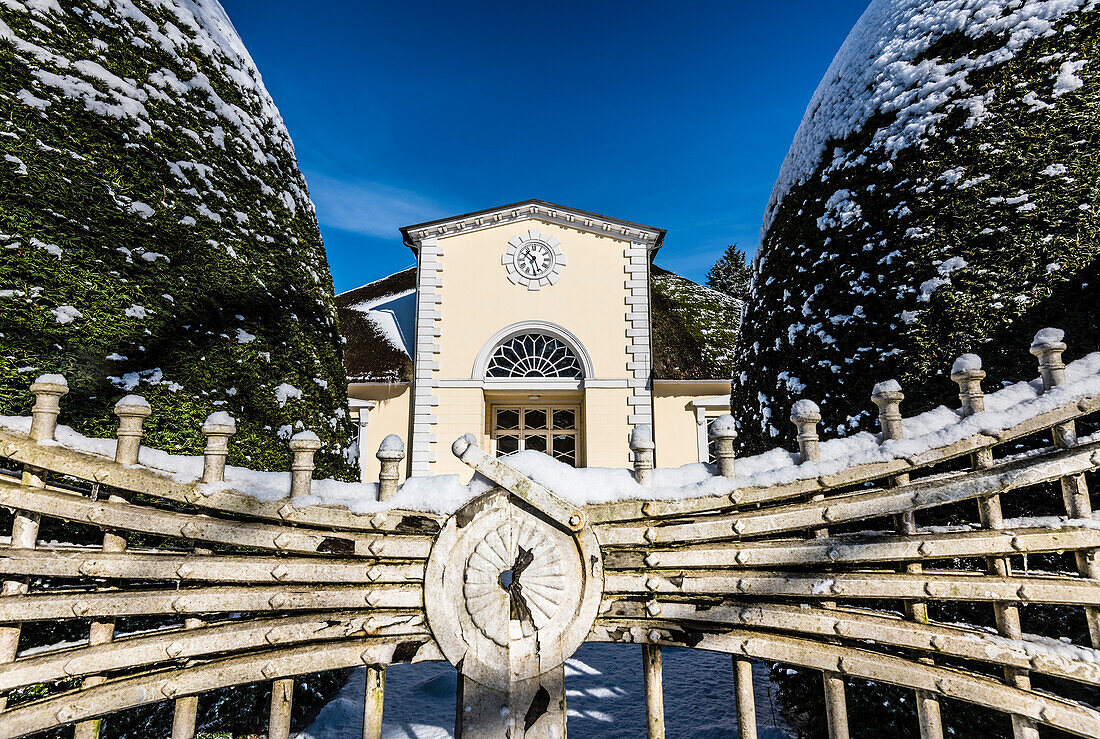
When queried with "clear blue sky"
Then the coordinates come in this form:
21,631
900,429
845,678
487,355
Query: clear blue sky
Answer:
675,115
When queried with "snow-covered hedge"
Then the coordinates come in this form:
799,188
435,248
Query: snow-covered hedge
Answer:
940,197
156,236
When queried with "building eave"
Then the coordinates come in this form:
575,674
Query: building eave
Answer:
562,215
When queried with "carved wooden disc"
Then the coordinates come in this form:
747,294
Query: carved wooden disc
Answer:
509,594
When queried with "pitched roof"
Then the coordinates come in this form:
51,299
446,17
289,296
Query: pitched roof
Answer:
563,215
377,321
693,328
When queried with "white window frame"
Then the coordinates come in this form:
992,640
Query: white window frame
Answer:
364,407
706,409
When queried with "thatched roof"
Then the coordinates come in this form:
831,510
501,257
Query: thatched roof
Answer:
693,329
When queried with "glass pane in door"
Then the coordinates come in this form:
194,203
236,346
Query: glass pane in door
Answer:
565,419
507,445
565,449
507,418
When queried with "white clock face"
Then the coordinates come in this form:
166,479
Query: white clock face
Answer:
533,259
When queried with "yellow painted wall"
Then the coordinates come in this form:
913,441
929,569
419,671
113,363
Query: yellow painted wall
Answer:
478,299
675,427
461,411
606,433
390,416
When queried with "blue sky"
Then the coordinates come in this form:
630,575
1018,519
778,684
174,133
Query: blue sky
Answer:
675,115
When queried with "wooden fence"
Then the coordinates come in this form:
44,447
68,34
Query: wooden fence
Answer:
799,569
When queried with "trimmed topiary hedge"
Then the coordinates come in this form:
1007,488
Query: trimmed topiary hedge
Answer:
941,197
156,236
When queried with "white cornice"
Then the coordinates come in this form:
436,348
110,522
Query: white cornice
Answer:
562,216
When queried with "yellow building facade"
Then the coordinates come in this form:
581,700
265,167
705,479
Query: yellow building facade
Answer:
532,326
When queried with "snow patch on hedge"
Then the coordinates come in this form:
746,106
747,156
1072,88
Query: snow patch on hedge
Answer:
881,69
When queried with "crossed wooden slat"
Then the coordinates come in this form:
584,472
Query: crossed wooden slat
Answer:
793,571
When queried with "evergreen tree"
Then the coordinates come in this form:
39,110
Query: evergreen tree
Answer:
156,237
730,274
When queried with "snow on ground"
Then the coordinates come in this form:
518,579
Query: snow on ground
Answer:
444,494
604,698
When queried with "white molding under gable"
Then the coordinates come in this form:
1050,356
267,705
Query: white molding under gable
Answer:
535,384
649,237
718,401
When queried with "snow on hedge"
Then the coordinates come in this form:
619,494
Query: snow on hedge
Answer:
939,199
156,233
877,72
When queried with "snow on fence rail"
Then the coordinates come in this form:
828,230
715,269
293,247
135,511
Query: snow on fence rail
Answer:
814,558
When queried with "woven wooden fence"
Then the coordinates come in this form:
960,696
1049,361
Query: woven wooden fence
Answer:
827,568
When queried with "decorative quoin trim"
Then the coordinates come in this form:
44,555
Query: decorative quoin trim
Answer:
647,236
638,331
425,364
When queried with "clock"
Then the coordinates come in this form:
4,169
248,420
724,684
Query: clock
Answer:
533,259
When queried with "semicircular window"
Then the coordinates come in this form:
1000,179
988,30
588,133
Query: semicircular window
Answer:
534,355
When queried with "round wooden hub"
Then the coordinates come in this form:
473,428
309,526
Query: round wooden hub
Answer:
508,593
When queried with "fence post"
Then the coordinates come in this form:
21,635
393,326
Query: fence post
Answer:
390,453
805,415
641,444
723,430
968,374
217,428
132,411
303,445
48,390
888,396
1048,347
374,701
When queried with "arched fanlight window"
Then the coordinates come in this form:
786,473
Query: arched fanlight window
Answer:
534,355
